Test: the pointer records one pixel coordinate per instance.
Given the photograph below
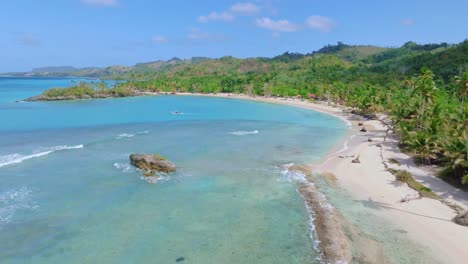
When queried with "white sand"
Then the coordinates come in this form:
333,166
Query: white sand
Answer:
426,221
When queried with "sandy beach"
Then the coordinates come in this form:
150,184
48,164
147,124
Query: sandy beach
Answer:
426,221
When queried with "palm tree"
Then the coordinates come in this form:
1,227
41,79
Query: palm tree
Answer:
461,83
456,156
423,145
425,86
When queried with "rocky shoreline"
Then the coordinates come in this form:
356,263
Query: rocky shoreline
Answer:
134,93
338,240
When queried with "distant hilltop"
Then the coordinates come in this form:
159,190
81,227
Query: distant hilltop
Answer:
444,59
57,69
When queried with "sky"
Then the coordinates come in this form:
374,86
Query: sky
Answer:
82,33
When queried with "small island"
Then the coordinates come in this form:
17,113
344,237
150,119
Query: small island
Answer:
85,90
152,164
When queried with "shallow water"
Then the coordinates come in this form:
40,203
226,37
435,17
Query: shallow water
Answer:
362,215
68,194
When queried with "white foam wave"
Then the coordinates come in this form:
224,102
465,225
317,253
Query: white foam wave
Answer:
13,200
124,167
244,133
160,178
313,235
344,148
67,147
128,135
288,175
18,158
125,135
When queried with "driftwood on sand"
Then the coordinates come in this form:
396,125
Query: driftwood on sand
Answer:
356,160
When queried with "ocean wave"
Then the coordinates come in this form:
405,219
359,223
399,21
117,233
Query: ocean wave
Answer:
344,148
125,135
345,145
13,200
160,178
18,158
124,167
244,133
128,135
288,175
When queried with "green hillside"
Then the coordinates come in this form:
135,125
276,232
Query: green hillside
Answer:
351,53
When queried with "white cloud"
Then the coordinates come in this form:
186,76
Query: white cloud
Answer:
101,2
408,22
277,25
321,23
245,8
159,39
215,16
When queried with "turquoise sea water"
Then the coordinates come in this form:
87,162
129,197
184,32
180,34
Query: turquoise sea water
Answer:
69,195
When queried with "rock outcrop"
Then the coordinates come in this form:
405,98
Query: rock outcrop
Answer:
340,241
335,245
462,219
152,164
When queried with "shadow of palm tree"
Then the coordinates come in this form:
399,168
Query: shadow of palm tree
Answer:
369,203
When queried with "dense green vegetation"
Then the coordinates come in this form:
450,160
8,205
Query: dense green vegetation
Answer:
406,177
423,88
444,60
84,90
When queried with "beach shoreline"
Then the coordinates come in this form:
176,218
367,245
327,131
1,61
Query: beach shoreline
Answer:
426,221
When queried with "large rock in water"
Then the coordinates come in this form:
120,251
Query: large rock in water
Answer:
462,219
152,163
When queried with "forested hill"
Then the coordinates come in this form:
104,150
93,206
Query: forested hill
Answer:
443,59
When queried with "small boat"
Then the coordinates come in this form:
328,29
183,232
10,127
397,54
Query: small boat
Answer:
176,113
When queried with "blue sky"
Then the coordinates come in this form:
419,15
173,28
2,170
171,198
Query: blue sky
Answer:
81,33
